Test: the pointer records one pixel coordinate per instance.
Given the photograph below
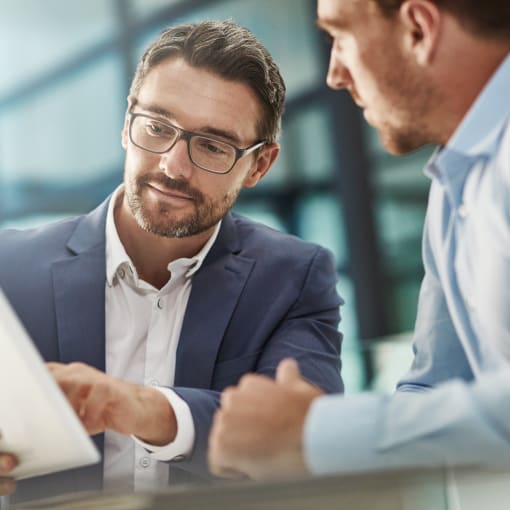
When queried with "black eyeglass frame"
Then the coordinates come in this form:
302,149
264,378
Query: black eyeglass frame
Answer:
187,136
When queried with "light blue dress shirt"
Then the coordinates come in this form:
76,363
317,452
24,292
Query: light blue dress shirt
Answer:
462,334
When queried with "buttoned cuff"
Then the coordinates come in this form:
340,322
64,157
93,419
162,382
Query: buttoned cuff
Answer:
184,440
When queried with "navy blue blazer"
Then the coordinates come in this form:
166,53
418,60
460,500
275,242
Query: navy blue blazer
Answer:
259,296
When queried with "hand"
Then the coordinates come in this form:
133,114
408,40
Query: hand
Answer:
103,402
258,431
7,463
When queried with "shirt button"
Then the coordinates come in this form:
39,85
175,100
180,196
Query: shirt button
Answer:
145,462
463,210
154,382
471,304
121,273
160,303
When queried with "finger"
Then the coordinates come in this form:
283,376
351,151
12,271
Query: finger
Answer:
288,372
52,366
75,392
218,458
226,472
250,380
226,396
93,408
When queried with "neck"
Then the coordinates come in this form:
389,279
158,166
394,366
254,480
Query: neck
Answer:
464,70
151,253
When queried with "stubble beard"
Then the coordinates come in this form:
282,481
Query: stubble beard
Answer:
399,142
160,220
413,131
414,100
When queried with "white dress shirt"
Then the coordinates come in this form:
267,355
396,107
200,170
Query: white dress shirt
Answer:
143,325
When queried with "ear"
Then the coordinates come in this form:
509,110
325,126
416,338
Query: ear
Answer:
125,128
263,163
422,25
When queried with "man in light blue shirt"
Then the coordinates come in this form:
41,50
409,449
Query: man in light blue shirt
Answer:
424,72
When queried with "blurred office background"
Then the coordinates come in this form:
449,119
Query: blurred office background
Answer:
66,66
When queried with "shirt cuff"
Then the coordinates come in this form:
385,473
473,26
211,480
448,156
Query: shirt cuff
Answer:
184,440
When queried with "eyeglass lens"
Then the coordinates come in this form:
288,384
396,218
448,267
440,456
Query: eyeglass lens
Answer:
159,137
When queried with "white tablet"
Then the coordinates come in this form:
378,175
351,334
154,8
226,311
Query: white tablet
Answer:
36,421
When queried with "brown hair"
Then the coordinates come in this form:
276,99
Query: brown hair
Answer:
484,17
230,51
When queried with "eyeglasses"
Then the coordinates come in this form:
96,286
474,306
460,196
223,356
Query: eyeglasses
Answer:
209,154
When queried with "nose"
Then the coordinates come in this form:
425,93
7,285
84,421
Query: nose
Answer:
339,76
176,163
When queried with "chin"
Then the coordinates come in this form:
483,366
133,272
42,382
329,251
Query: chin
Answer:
399,144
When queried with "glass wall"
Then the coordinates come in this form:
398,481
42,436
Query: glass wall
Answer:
62,103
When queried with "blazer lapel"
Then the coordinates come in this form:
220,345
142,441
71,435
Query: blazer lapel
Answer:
215,292
79,286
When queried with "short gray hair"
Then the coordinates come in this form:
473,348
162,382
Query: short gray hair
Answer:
230,51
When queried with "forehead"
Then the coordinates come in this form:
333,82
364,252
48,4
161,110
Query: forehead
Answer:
197,98
343,14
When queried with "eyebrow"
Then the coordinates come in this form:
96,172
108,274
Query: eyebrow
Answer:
328,25
153,108
210,130
321,25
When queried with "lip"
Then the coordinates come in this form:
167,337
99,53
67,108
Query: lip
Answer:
170,193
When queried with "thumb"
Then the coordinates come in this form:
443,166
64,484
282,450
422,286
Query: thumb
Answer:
288,372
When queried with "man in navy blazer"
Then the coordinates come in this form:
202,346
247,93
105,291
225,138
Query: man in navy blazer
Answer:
153,303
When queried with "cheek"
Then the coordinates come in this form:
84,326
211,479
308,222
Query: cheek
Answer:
124,139
138,162
370,85
221,187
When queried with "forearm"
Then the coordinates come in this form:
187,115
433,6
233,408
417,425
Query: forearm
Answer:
454,424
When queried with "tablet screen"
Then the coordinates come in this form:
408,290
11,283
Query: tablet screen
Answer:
37,423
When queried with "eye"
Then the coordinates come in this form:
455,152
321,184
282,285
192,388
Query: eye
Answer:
212,147
154,128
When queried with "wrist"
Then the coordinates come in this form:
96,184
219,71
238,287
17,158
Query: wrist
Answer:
157,425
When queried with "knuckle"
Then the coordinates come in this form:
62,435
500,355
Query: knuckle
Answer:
227,396
75,365
247,380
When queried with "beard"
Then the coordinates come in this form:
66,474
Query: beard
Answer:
409,128
401,142
160,219
403,113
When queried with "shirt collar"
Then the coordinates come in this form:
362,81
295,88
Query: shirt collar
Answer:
194,263
116,255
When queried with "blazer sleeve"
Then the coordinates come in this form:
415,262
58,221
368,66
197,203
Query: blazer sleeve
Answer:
308,333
